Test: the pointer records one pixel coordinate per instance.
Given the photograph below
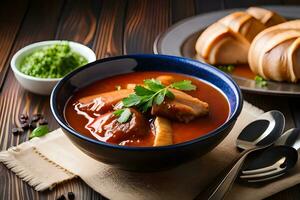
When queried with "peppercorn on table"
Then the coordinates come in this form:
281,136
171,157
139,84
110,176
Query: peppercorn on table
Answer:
110,28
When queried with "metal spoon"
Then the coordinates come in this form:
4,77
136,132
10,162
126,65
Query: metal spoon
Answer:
290,138
275,161
258,135
270,164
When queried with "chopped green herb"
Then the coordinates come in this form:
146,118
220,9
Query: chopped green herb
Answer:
54,61
39,131
118,112
118,87
154,93
185,85
153,85
226,68
260,81
123,114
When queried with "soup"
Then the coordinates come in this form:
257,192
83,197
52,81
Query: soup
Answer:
147,109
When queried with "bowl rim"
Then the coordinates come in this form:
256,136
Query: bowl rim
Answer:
70,130
41,44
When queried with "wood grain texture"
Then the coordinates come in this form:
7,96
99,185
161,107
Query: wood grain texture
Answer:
109,37
239,4
181,11
203,6
79,21
37,25
144,21
9,26
111,28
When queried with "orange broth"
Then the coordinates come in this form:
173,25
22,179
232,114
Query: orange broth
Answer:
218,106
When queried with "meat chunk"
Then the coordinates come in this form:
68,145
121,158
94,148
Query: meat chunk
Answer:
166,79
183,107
163,132
107,128
103,102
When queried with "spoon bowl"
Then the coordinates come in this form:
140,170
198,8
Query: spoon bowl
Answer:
262,132
271,163
258,135
290,138
276,161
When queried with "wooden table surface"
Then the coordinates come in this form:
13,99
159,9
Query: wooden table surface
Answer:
110,28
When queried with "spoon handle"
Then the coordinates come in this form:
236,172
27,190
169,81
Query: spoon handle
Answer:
224,184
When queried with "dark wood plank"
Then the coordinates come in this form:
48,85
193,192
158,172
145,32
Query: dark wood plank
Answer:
295,108
240,4
144,21
290,2
37,25
9,26
181,10
203,6
267,103
109,37
79,21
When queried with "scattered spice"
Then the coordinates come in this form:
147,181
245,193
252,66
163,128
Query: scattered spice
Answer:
25,125
71,196
23,117
62,197
15,131
21,130
23,120
35,118
32,125
43,122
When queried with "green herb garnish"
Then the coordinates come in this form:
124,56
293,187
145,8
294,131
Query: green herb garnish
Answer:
260,81
123,114
53,61
152,93
226,68
39,131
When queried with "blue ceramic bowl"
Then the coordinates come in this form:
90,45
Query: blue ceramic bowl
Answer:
145,158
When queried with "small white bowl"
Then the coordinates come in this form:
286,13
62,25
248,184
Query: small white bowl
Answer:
38,85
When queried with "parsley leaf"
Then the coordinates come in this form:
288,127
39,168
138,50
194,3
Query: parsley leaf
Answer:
159,98
226,68
260,81
142,91
123,114
153,84
118,112
39,131
131,100
185,85
153,93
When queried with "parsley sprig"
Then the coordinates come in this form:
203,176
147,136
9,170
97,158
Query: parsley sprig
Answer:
226,68
152,93
260,81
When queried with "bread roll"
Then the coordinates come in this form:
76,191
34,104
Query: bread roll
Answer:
275,52
227,41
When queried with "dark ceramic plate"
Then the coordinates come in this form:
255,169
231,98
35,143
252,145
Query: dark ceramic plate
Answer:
180,39
145,158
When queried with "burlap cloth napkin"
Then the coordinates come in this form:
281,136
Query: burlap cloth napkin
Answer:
49,160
